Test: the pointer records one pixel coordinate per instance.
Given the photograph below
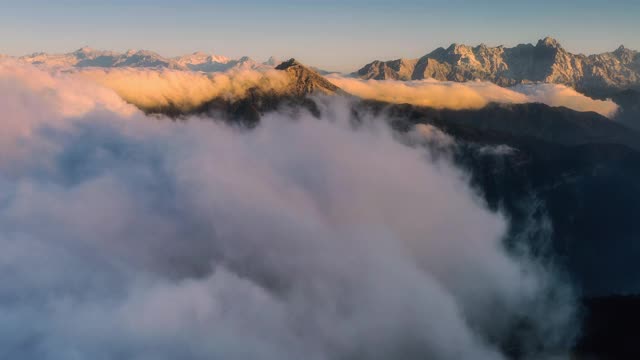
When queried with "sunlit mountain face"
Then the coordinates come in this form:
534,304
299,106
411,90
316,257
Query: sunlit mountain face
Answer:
475,203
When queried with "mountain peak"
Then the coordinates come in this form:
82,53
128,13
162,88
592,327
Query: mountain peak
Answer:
306,81
624,54
623,50
85,50
287,64
549,42
147,53
202,61
458,48
272,61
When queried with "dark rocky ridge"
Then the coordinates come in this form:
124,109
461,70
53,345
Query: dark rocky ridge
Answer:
629,113
587,187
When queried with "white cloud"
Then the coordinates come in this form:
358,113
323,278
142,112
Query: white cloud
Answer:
153,88
138,238
185,90
470,95
561,95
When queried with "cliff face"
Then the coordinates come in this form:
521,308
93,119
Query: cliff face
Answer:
547,61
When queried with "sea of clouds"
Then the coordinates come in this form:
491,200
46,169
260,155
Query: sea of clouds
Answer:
185,90
472,94
132,237
156,88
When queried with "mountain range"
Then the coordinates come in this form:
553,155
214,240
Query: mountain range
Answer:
547,61
198,61
599,75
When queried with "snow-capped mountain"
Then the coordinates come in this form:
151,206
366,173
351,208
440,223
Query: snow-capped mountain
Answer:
87,57
199,58
547,61
204,62
247,63
272,61
198,61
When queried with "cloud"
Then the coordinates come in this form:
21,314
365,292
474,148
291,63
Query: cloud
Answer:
32,99
560,95
156,88
470,95
184,90
133,237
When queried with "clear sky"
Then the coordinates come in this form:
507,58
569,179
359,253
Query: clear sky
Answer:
332,34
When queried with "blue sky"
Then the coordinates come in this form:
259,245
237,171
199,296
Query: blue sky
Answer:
337,35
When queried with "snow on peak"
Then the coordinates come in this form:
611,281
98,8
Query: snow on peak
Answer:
200,58
272,61
196,61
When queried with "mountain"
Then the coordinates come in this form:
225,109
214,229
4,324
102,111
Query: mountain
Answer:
247,63
87,57
133,58
557,125
629,102
306,81
547,61
198,61
302,82
572,173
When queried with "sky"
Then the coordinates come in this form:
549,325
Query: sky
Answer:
335,35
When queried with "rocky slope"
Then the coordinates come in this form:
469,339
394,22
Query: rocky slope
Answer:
307,81
547,61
